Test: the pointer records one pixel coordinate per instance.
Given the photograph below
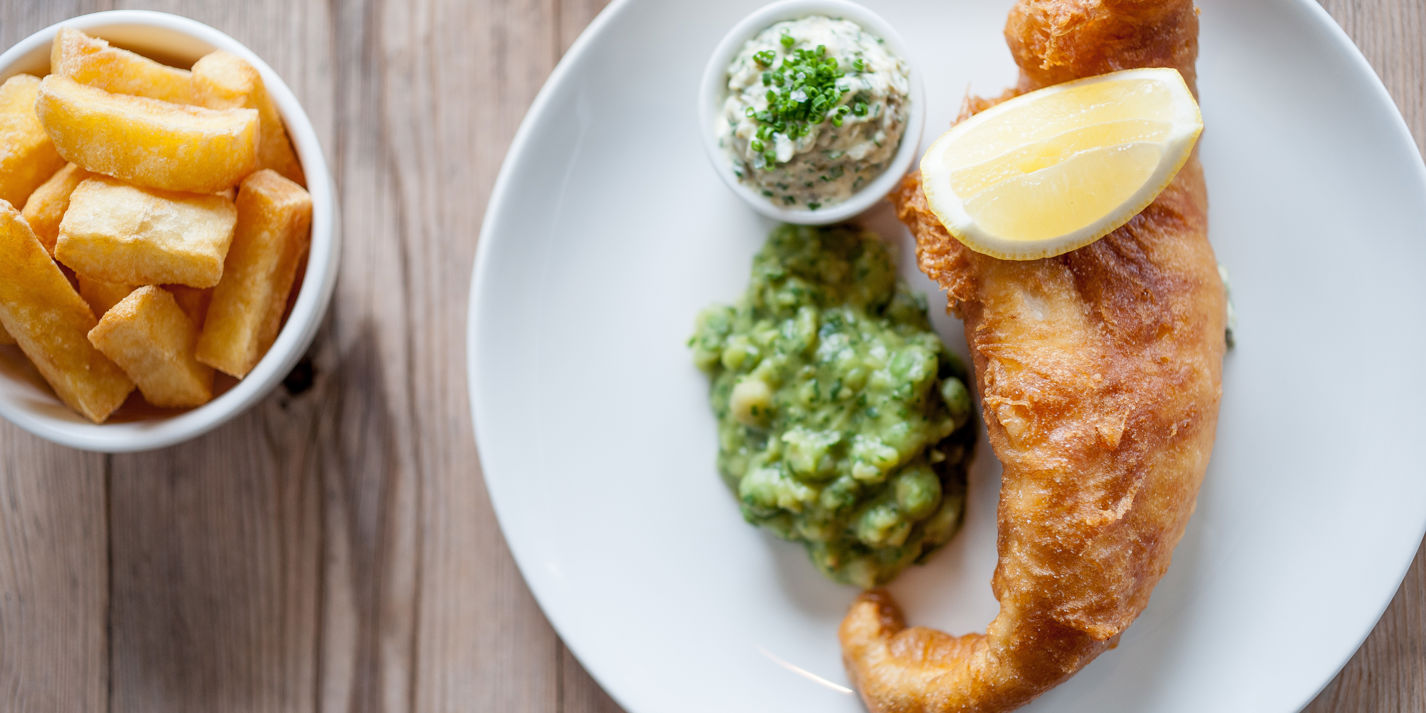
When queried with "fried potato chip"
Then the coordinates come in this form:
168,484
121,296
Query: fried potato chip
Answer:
225,81
5,338
101,294
148,142
193,301
274,219
151,339
139,236
27,156
93,61
47,204
50,321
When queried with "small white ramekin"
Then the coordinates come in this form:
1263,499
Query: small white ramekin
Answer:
714,90
24,398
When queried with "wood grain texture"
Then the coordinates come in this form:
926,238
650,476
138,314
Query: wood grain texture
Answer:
54,578
334,550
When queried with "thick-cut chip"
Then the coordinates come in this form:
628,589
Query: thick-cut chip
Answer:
46,206
5,338
225,81
151,339
274,217
102,295
93,61
139,236
27,156
193,301
51,322
148,142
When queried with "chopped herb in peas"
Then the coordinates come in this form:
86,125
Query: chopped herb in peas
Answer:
844,423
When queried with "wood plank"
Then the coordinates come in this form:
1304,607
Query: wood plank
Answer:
574,16
215,578
54,577
217,543
579,693
54,547
473,68
371,473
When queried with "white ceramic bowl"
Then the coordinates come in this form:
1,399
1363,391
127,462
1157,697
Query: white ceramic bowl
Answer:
714,90
24,398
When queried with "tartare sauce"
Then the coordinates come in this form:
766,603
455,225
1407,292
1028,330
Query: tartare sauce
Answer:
816,109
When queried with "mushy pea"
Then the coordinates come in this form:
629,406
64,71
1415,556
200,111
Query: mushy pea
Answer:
842,418
816,109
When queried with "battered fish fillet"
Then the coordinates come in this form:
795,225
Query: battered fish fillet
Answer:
1100,376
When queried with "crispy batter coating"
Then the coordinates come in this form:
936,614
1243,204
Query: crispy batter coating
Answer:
1100,376
1055,41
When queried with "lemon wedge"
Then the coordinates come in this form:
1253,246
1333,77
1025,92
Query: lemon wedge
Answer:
1059,168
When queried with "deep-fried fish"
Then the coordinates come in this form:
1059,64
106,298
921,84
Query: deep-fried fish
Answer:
1100,375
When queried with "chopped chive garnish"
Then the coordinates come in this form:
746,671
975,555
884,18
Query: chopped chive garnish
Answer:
802,92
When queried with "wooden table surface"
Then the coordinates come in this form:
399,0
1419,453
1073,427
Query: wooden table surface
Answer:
334,549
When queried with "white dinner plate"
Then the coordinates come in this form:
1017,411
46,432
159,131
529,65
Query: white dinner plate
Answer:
608,231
